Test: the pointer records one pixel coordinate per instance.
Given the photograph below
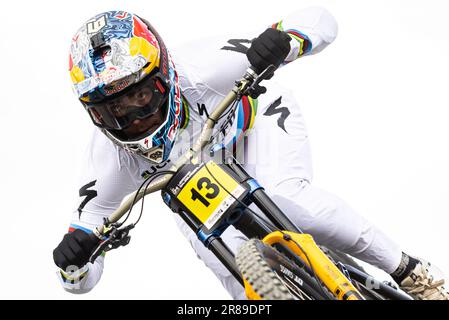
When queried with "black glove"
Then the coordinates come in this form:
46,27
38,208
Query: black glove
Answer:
271,47
75,249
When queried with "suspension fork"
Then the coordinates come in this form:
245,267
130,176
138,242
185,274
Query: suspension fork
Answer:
260,198
215,244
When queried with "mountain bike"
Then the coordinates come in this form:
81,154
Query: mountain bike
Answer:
211,191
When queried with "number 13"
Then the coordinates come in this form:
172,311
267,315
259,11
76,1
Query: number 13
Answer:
205,182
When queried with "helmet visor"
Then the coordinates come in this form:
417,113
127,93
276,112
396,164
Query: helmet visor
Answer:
137,102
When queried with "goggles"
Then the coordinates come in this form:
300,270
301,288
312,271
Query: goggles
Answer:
138,101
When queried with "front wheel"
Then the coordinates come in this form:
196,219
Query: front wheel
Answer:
272,276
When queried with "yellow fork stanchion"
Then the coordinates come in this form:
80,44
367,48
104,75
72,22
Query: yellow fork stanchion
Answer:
325,270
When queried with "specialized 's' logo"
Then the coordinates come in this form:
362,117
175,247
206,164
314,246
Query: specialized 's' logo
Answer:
237,45
272,110
202,110
89,194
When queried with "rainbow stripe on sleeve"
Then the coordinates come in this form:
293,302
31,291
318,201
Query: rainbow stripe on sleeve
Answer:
305,45
73,227
185,113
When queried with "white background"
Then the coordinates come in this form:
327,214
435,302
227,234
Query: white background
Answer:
375,102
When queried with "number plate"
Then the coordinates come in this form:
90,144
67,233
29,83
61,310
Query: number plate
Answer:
208,199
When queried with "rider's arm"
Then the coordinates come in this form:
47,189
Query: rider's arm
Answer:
108,176
311,30
210,66
213,64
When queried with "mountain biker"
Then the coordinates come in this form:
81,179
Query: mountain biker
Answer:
149,104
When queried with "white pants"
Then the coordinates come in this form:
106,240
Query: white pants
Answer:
277,154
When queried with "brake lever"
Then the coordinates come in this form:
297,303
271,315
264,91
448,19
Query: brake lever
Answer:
255,90
116,238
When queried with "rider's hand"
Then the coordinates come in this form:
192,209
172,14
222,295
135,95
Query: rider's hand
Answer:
270,47
75,249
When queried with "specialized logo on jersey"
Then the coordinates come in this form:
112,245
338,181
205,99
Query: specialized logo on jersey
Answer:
273,109
225,126
237,45
89,194
202,109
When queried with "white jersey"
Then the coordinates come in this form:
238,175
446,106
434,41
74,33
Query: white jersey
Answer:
207,71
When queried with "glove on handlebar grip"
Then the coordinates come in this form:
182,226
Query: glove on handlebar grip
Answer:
271,47
75,249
